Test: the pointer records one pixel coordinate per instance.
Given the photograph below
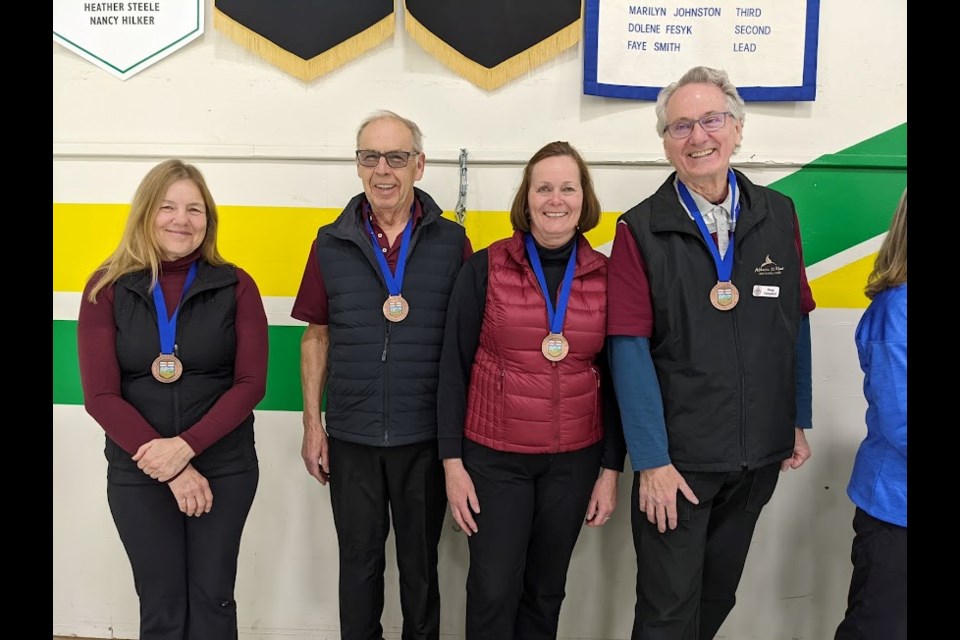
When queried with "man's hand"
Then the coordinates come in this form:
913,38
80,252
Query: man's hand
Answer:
801,451
316,450
314,345
658,495
163,458
603,500
461,495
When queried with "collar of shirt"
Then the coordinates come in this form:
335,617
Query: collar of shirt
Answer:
390,252
710,212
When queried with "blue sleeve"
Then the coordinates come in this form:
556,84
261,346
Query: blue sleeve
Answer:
804,418
883,357
641,405
888,372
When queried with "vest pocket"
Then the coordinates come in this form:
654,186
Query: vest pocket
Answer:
597,404
501,400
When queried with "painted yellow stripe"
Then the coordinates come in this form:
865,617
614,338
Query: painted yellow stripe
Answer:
270,243
83,235
843,288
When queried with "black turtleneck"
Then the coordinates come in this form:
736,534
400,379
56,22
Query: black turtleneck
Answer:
554,263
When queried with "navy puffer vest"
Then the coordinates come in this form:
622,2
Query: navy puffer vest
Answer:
382,376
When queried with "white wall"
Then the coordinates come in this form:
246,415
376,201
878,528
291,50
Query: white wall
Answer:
265,138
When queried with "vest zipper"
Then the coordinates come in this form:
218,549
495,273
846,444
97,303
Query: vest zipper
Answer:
386,343
742,384
176,395
386,387
556,406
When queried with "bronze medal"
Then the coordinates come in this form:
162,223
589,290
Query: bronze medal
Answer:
167,368
555,347
395,308
724,296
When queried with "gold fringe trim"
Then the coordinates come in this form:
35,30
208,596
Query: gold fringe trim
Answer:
504,72
295,65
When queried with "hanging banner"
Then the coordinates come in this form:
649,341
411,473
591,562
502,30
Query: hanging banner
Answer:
769,47
306,39
491,42
124,38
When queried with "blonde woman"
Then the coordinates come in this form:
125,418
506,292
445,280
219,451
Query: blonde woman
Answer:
877,602
173,359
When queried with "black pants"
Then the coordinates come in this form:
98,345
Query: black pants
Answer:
877,602
184,567
532,508
687,578
368,486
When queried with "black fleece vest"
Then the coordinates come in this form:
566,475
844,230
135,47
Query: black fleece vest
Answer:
382,376
206,345
728,378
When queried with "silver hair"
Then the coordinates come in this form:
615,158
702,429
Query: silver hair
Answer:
384,114
701,75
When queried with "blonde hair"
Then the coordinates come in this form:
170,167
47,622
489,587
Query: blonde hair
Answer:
138,249
890,267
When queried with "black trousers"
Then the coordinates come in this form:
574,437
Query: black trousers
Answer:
532,508
184,567
687,578
368,486
877,602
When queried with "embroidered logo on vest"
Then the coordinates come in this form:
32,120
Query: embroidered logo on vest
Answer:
768,268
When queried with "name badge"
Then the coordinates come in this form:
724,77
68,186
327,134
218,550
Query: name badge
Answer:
765,291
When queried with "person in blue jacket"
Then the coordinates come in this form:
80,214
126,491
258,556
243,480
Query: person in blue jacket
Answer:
877,601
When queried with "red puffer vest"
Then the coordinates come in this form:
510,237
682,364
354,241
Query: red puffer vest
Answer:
520,401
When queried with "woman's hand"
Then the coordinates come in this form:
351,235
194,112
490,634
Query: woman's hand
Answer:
461,495
163,458
603,500
192,492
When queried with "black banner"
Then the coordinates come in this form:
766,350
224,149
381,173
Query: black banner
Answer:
306,38
491,42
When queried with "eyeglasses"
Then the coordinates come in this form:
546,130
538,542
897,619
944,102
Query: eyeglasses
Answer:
395,159
710,122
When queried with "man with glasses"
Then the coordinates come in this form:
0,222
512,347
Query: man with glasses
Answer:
710,354
374,294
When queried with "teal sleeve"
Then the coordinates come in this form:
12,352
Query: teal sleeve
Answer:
641,405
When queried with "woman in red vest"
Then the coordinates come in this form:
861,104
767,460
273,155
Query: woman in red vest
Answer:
522,400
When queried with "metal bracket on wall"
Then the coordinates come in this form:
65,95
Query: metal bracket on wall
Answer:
461,207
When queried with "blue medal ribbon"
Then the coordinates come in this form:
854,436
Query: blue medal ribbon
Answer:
168,326
394,281
554,318
724,264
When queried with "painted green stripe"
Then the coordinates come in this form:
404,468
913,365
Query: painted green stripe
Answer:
283,367
839,209
66,370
